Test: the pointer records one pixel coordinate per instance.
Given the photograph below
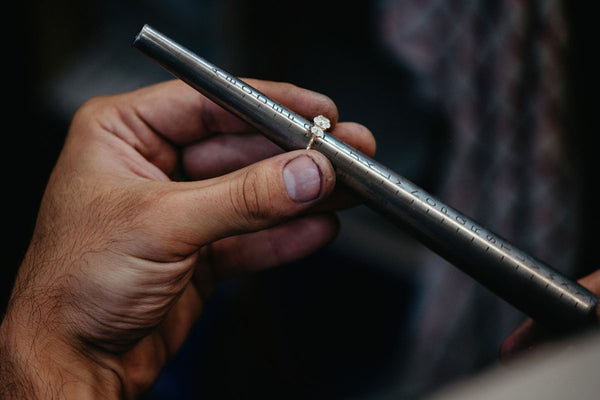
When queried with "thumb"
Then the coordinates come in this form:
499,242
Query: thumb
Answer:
253,198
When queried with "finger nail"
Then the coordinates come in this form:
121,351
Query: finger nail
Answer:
302,179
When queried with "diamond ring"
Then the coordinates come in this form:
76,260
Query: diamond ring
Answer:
321,124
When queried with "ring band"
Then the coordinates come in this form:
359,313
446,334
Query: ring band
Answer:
321,124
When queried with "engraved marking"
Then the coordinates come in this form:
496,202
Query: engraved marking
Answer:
246,89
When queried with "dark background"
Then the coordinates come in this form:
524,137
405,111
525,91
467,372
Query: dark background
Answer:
281,333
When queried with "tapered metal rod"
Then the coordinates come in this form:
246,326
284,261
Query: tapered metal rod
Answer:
527,283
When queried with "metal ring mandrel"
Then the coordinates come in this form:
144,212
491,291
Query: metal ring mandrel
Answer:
523,281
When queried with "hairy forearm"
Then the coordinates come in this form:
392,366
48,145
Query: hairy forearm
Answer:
28,372
14,382
20,371
37,364
48,347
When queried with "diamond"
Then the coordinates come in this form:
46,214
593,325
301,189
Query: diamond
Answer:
316,131
322,122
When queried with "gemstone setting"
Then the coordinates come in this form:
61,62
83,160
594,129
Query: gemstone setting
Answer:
316,131
322,122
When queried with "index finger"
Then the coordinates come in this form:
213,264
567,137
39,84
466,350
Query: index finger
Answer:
183,116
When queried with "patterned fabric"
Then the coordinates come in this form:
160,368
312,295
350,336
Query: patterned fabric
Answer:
496,69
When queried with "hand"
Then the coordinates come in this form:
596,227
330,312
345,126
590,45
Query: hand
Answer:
157,195
531,335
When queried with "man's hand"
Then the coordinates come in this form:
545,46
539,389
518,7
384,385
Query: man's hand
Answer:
531,335
157,195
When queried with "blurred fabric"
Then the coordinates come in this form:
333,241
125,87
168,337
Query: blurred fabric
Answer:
497,69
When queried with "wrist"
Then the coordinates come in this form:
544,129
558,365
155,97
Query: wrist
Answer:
36,366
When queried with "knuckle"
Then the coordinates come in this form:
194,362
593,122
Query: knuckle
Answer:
250,197
89,108
96,111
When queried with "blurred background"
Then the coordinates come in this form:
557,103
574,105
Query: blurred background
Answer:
374,315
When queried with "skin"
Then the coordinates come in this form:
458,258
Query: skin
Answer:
157,195
530,335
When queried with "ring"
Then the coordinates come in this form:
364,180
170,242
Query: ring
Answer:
321,124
